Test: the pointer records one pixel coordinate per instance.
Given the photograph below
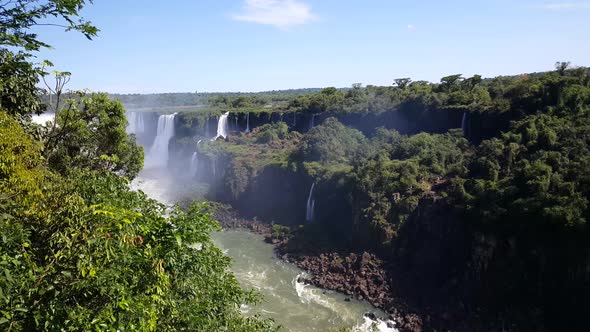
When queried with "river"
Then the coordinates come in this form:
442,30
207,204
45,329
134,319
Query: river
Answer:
295,306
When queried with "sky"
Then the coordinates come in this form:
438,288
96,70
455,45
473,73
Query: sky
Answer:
148,46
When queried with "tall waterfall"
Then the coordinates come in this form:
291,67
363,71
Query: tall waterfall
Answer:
158,155
309,214
294,119
248,122
464,123
312,121
222,126
194,161
136,123
194,167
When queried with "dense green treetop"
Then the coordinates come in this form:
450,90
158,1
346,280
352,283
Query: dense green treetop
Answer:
89,133
17,17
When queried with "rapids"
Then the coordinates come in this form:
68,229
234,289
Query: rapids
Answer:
294,305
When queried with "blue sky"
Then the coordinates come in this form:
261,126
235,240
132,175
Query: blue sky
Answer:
251,45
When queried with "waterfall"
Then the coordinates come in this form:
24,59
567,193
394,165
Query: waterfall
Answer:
294,119
237,126
43,118
158,155
194,160
222,126
194,167
247,122
310,205
312,121
464,123
135,123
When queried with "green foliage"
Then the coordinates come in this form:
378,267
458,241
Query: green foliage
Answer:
270,133
245,156
85,253
18,17
280,232
199,102
79,251
19,93
90,133
537,171
238,176
331,142
389,185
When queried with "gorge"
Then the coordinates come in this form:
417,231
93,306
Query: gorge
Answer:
455,204
288,297
416,185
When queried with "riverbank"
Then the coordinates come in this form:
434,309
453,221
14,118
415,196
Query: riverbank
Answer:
362,276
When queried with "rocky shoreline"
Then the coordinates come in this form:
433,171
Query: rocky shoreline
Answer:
360,275
229,219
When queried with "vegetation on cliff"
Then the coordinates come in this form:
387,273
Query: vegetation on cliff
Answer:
507,214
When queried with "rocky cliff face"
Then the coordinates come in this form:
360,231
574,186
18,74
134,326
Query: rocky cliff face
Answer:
468,278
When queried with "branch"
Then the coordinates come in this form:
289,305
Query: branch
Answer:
51,24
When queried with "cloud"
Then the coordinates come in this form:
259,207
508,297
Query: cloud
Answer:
282,14
411,28
566,6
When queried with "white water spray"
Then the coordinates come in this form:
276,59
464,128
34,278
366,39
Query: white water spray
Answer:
464,123
136,123
312,121
247,122
158,155
194,161
377,325
310,205
222,126
194,167
43,118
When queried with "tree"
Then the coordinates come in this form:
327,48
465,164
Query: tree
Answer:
19,93
329,91
402,83
561,67
90,134
331,142
17,17
472,82
449,83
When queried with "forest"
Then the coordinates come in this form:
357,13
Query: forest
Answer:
491,223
